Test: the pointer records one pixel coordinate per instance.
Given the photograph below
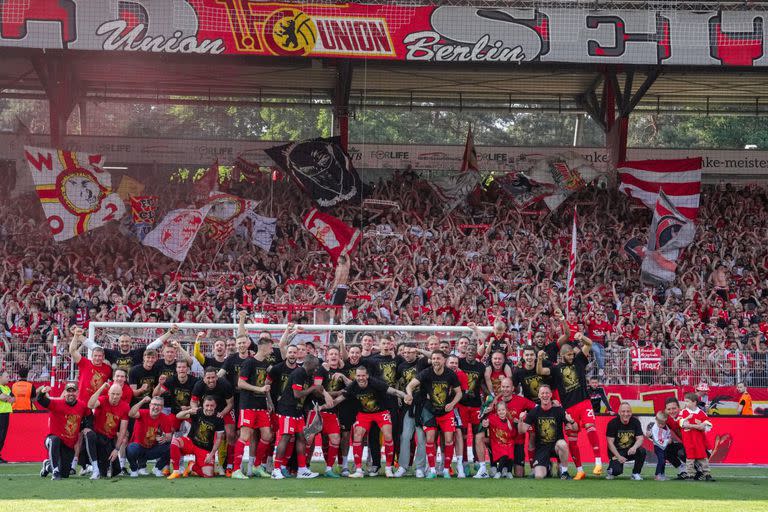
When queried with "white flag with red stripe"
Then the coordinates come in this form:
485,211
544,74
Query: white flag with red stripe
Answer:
572,265
679,179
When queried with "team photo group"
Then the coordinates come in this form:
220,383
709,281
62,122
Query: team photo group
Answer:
461,408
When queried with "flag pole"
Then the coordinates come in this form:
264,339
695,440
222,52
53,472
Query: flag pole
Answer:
571,266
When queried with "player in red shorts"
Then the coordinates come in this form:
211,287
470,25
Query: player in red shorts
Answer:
516,407
220,389
254,387
452,363
570,378
442,391
331,426
303,382
471,401
371,395
202,441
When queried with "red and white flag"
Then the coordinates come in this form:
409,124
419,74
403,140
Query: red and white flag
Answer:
571,266
74,189
454,188
333,234
177,231
226,214
679,179
207,184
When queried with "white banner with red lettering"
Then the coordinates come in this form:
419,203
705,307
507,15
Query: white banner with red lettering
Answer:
645,359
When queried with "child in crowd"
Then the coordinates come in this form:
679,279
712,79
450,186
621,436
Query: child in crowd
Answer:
502,433
695,424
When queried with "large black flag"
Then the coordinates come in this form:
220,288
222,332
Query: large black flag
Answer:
321,168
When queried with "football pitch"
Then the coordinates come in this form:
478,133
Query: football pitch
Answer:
741,489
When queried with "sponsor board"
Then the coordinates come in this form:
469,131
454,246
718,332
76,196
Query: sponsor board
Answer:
169,152
548,33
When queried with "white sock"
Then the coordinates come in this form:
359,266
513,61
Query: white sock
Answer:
579,468
563,469
598,461
482,466
458,459
123,462
328,468
74,463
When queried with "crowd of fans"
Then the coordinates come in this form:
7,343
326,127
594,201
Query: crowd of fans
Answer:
485,263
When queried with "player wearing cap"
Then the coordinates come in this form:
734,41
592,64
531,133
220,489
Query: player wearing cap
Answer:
65,415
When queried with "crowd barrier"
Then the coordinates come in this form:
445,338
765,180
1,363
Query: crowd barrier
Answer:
733,440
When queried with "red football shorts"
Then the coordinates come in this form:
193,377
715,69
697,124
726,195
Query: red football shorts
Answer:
445,422
254,418
230,419
365,419
189,448
470,416
582,413
331,423
290,425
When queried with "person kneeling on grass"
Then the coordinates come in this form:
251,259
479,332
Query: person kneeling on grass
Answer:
625,442
203,440
547,422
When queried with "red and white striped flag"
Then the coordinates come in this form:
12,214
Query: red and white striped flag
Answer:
679,179
571,266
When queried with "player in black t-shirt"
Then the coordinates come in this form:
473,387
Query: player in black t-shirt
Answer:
470,403
333,383
526,378
547,422
202,441
406,371
625,442
304,382
383,365
442,391
347,410
279,374
124,357
231,371
254,389
178,388
570,379
371,395
219,388
143,378
598,397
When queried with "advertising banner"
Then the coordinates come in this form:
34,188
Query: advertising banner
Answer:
545,33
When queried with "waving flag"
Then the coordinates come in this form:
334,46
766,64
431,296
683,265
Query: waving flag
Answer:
262,230
75,190
635,250
321,168
177,231
332,234
572,265
454,188
679,179
226,214
670,232
206,185
522,190
566,174
143,211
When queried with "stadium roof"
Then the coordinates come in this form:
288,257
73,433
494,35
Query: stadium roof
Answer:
133,77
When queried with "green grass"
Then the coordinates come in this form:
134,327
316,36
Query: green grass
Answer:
743,489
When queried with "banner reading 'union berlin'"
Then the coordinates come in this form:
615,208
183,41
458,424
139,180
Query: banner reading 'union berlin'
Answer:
407,33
